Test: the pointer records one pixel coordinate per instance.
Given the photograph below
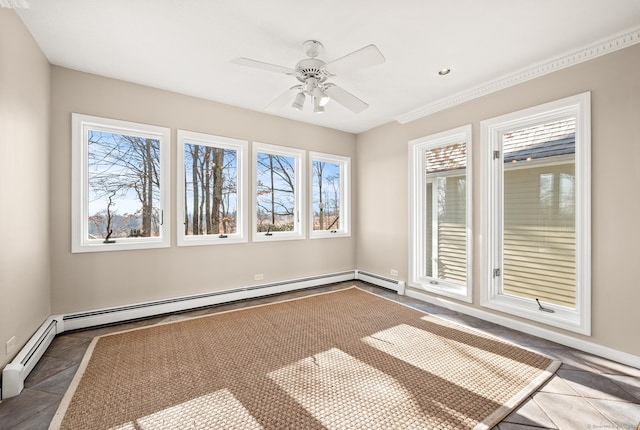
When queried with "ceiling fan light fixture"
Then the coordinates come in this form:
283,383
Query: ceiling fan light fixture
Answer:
317,105
320,96
298,103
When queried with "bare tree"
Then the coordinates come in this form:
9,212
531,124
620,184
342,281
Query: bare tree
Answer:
194,149
213,186
318,169
218,179
119,164
276,191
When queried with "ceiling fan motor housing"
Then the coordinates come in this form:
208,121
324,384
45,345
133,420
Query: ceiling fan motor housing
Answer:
312,68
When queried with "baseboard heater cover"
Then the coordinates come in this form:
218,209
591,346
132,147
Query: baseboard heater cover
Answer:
381,281
143,310
14,373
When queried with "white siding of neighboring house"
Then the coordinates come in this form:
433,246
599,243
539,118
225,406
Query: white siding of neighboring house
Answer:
539,233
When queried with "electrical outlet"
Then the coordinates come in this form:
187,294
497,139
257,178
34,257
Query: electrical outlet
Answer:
258,277
394,272
11,343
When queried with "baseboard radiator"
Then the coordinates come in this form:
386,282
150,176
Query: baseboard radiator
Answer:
14,373
143,310
381,281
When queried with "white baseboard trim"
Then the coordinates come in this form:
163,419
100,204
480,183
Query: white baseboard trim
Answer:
563,339
14,373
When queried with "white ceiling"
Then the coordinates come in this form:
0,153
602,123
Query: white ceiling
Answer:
186,45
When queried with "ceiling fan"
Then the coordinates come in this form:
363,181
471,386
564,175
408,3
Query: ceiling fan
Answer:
313,74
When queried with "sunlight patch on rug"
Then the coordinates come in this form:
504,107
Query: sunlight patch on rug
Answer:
442,355
341,392
216,410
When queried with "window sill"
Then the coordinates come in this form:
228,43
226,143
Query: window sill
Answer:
562,317
275,237
443,288
328,234
210,240
119,245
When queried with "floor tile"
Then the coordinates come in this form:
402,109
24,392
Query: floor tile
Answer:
62,343
570,412
624,415
594,385
512,426
527,340
530,414
89,333
46,368
73,354
29,403
427,307
607,366
40,420
557,385
628,383
569,360
58,383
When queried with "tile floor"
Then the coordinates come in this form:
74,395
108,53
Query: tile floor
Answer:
587,392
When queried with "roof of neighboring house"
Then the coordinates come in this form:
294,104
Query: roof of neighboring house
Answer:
540,141
444,158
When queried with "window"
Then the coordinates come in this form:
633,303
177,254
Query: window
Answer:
278,193
440,213
329,177
211,189
536,194
120,188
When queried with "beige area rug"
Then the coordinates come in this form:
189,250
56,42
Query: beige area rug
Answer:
341,360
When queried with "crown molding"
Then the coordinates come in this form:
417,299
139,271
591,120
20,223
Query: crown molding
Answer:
606,46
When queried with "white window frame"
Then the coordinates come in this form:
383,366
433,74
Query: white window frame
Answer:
299,193
345,198
241,148
417,214
80,126
576,320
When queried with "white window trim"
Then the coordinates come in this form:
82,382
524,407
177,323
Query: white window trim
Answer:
417,222
241,148
299,220
345,196
576,320
80,125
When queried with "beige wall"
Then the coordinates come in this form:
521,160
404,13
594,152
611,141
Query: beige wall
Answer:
382,176
96,280
24,185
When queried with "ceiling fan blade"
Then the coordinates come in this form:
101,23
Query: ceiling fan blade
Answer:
283,99
265,66
345,98
364,57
